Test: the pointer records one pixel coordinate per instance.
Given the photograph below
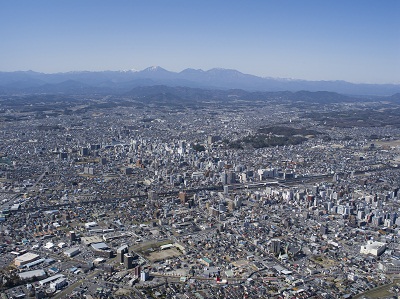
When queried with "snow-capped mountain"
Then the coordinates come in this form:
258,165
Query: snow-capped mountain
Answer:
216,78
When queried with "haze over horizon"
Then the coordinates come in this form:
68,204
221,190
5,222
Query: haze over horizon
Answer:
357,41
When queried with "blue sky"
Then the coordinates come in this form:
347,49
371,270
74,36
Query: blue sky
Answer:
352,40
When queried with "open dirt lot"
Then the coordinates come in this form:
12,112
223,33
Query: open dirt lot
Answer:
163,254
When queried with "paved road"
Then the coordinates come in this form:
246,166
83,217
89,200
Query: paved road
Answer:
73,286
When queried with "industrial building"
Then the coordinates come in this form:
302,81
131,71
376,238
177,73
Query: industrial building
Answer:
32,264
25,259
32,274
50,279
72,252
90,240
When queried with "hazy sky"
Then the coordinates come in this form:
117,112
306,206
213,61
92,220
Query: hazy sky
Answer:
352,40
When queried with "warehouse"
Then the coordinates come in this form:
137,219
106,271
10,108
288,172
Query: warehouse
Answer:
32,274
72,252
25,259
90,240
32,264
50,279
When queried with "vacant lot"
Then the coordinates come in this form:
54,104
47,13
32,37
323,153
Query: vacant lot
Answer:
149,246
379,292
151,250
163,254
391,143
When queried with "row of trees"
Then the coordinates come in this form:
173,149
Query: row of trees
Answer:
9,278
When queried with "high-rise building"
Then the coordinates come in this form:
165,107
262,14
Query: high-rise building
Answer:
120,253
137,270
324,229
144,276
183,197
275,246
84,151
128,261
152,195
72,236
212,139
231,178
224,178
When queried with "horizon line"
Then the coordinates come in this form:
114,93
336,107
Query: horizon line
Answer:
133,70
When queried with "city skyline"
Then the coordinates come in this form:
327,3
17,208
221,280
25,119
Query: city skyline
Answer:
334,40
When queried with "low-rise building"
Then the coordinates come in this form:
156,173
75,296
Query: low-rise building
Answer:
392,267
373,248
25,259
59,283
39,274
72,252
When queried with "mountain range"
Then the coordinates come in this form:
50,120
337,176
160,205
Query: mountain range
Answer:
120,82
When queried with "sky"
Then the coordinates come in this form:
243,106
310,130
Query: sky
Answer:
352,40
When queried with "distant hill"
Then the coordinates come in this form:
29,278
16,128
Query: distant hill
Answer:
162,93
124,81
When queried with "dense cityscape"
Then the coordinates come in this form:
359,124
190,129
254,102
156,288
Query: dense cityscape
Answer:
199,199
200,149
